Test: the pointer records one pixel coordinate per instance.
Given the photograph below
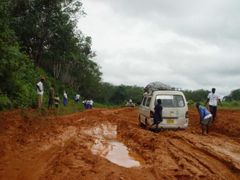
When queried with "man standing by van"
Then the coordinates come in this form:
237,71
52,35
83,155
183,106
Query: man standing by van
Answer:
212,101
157,117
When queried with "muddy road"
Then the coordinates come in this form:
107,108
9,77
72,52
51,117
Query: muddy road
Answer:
109,144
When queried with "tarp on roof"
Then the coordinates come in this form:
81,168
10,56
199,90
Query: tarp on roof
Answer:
155,86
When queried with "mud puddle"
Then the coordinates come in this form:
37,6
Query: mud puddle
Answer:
106,145
60,139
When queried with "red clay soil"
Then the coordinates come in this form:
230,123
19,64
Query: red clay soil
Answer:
34,146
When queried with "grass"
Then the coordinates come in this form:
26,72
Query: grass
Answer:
72,107
230,105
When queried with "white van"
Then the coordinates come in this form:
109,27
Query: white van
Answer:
174,113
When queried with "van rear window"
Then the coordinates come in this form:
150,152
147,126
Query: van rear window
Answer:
171,100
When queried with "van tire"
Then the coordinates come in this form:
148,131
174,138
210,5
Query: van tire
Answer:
140,123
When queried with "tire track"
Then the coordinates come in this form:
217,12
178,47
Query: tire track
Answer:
202,159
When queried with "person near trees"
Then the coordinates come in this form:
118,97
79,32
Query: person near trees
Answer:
56,101
205,118
91,103
77,98
40,91
65,98
51,97
212,101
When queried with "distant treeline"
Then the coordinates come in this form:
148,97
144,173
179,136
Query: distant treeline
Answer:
196,96
201,95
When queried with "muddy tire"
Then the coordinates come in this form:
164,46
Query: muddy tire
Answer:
140,123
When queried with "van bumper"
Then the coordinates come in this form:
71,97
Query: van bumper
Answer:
164,125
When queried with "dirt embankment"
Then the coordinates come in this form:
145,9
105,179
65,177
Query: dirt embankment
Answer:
77,147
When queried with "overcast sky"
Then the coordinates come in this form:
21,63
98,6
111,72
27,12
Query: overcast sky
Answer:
189,44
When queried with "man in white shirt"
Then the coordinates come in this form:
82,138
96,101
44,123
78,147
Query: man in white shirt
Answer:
40,91
65,98
90,103
77,98
212,101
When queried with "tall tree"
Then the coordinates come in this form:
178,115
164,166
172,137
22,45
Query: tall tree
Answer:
14,65
47,32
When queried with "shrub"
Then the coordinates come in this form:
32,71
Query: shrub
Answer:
5,102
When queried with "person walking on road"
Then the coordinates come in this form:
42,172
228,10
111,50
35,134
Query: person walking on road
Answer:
205,118
51,97
212,101
157,116
40,91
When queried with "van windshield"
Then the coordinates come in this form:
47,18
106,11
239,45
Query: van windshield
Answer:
171,100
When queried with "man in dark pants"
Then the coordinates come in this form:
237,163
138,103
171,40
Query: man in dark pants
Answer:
212,101
51,96
157,117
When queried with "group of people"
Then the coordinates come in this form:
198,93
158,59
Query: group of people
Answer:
54,99
88,104
206,116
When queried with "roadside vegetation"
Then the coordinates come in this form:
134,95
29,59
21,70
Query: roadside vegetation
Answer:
40,38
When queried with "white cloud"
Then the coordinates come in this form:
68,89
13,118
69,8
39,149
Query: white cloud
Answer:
187,44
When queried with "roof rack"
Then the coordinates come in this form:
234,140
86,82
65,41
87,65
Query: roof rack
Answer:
158,86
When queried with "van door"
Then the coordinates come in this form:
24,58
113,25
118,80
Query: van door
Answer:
145,110
173,109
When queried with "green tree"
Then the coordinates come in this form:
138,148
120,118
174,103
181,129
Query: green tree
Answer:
14,65
50,38
235,95
197,95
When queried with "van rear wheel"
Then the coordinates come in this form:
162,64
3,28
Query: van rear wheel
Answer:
140,123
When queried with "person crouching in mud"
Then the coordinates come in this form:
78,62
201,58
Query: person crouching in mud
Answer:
205,118
157,117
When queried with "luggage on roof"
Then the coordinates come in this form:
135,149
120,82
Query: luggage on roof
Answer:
155,86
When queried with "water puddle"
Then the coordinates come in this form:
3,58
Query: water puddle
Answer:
106,145
119,154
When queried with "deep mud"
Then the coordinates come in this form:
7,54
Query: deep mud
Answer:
101,143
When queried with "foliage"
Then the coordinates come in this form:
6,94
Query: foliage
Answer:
5,102
116,95
196,96
15,68
48,35
233,96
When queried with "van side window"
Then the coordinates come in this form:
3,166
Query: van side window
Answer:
143,101
148,101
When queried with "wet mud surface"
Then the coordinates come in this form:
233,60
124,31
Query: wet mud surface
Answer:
109,144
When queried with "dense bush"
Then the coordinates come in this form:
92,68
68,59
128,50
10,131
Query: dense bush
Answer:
5,102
